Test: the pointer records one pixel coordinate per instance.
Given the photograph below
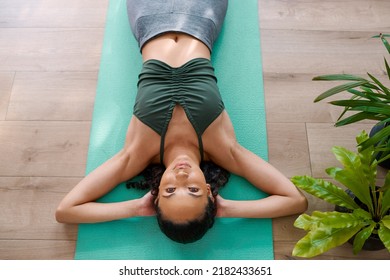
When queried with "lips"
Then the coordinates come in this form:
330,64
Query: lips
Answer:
182,165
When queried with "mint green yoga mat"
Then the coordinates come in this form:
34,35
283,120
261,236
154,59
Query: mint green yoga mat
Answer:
237,61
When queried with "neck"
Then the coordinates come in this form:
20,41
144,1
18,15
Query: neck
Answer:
178,152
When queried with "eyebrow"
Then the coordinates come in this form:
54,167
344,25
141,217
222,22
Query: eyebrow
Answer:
171,194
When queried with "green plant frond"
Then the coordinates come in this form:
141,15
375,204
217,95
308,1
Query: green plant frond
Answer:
384,133
367,159
385,201
355,181
387,68
363,94
369,170
346,157
361,237
386,185
386,221
384,235
324,190
382,148
383,88
380,113
384,122
362,214
356,118
322,239
367,90
362,136
338,89
361,103
305,222
386,151
361,162
385,42
369,86
319,215
381,34
339,77
336,219
347,108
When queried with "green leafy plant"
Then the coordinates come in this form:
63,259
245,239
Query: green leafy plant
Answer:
367,214
370,99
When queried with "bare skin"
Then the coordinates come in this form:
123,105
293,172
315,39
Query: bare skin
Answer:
183,190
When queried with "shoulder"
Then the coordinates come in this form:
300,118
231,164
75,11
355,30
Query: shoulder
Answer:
141,140
220,144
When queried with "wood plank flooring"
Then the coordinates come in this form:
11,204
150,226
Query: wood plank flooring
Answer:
49,61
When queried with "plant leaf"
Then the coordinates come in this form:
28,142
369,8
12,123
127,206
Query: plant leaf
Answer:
324,190
386,185
333,219
384,122
386,221
384,158
346,108
361,103
358,117
361,237
336,219
386,196
367,87
387,68
384,41
363,136
380,113
381,34
338,89
347,158
355,181
384,235
383,133
362,214
323,239
339,77
368,93
367,160
364,94
384,89
305,222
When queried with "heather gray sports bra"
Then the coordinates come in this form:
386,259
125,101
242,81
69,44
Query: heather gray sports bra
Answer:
201,19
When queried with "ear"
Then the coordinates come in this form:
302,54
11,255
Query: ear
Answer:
209,192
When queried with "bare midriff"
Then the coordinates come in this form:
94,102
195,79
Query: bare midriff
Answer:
175,49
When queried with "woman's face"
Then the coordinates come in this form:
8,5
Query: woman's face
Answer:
183,192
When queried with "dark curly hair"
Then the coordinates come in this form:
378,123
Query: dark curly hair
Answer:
190,231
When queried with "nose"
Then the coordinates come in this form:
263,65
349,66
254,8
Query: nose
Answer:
182,175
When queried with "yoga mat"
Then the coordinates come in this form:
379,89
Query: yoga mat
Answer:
237,61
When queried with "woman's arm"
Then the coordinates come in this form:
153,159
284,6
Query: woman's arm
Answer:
223,148
79,204
285,199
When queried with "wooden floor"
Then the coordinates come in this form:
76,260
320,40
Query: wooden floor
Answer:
49,61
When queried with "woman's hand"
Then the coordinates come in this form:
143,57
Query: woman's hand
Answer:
221,206
146,205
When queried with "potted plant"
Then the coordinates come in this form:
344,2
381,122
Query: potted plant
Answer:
370,99
367,212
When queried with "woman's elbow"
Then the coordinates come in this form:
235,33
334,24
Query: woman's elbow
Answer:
301,203
61,214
